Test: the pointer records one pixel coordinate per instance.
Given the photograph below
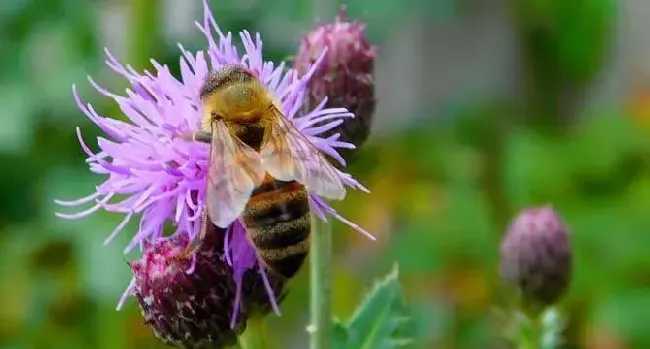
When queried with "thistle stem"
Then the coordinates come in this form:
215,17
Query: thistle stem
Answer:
255,335
145,33
320,285
542,331
552,324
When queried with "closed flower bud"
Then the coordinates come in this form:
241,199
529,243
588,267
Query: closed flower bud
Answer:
536,256
187,309
345,77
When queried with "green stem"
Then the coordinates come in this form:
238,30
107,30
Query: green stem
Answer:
530,335
255,335
552,324
144,32
541,331
320,285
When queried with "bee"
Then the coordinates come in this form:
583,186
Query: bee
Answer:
261,169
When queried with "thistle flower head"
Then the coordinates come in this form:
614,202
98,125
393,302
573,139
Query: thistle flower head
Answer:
536,256
345,76
161,179
190,310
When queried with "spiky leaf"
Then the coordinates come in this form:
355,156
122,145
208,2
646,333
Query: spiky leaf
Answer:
379,321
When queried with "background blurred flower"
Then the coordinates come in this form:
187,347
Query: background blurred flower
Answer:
345,77
536,256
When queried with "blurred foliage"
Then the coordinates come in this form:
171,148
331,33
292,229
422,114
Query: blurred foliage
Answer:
443,190
543,331
564,43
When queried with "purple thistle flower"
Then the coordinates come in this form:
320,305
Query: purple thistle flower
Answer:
345,77
163,178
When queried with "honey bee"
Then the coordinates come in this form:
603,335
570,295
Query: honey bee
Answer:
260,169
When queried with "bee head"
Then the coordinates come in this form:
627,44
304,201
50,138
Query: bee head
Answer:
231,93
223,77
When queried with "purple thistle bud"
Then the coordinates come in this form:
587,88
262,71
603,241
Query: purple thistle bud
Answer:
189,310
193,303
536,256
345,77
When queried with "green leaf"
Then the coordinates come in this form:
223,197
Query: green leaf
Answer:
339,335
379,321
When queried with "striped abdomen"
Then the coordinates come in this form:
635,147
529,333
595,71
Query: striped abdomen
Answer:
278,223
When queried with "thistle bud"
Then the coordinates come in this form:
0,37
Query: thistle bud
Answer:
345,76
187,309
536,256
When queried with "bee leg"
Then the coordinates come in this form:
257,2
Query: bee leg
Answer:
190,250
196,136
194,245
202,136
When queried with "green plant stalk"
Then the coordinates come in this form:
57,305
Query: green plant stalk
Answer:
541,331
320,285
255,335
145,36
144,40
529,336
552,324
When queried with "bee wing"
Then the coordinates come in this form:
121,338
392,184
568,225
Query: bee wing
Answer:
288,155
235,171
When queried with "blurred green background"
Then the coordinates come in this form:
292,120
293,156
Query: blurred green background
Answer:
485,107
